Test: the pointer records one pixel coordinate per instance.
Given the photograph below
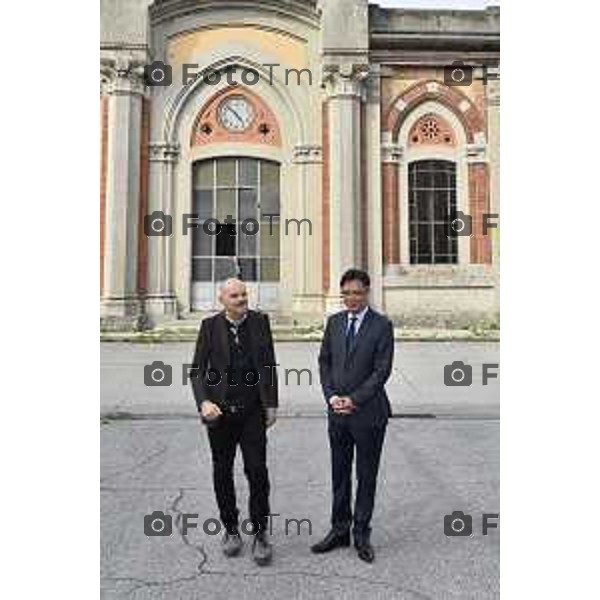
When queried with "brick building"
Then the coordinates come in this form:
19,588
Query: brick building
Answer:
327,128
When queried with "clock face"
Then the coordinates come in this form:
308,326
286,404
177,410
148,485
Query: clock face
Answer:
236,113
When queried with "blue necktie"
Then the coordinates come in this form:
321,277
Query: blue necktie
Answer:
351,334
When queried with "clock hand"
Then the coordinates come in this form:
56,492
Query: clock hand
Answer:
239,118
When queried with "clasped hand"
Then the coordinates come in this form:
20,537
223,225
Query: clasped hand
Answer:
342,405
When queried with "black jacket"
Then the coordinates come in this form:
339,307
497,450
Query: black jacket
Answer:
212,353
362,374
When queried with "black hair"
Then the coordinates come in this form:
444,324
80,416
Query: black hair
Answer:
356,275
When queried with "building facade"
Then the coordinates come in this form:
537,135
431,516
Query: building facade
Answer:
287,140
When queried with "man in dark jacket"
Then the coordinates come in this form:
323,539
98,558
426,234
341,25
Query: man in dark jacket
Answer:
235,387
355,362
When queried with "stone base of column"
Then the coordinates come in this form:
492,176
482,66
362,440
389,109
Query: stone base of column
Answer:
126,307
120,314
307,309
392,270
161,308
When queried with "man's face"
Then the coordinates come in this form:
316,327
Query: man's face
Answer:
355,295
234,298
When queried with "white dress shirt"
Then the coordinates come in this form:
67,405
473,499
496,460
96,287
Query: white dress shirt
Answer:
359,319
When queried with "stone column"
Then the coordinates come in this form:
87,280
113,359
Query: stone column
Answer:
493,114
307,295
160,299
372,159
344,86
125,90
391,155
479,201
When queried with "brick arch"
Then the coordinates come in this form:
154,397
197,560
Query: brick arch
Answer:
464,108
264,128
431,130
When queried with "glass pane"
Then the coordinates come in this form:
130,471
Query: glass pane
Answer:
269,269
225,205
413,250
424,199
225,240
202,242
424,240
225,268
454,249
226,172
202,269
441,179
248,172
203,204
424,179
248,205
441,240
203,174
269,240
249,269
441,206
248,245
269,179
412,231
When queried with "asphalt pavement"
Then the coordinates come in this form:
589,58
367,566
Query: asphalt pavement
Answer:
441,455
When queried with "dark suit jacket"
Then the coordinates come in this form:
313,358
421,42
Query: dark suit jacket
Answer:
212,352
362,374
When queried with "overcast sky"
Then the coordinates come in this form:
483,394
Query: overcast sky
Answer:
436,3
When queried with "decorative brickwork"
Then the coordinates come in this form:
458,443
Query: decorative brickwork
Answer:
391,216
481,250
433,130
262,127
471,118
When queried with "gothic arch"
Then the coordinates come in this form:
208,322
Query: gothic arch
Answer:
278,99
464,109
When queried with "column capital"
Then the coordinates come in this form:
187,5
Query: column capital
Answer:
345,79
307,153
122,75
391,153
493,91
163,152
477,152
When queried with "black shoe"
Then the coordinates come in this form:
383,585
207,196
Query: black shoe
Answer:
365,551
331,541
232,543
262,551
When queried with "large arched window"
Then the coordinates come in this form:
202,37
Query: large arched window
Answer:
432,206
240,190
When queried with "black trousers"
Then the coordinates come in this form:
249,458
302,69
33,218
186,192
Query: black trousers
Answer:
344,436
247,430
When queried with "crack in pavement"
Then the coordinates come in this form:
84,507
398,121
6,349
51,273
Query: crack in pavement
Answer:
199,550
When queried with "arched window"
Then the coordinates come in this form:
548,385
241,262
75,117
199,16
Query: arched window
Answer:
432,206
237,193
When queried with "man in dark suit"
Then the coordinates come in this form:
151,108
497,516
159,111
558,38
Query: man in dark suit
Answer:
235,387
355,362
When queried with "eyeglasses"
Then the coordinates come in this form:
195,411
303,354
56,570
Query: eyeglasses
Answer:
355,293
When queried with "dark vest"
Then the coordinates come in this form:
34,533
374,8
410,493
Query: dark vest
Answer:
242,371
